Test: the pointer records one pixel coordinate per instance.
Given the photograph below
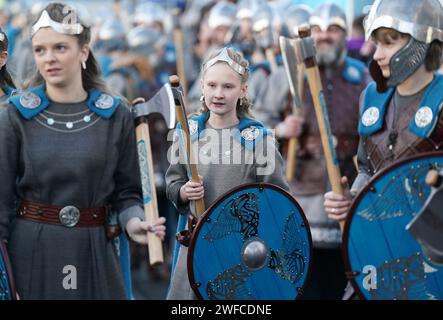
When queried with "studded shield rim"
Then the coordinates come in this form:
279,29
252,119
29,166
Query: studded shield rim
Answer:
355,203
207,214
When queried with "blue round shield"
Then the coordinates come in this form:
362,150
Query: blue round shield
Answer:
7,290
382,258
253,243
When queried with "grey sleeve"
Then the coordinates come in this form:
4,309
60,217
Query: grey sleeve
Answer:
129,213
364,172
127,192
176,176
9,159
270,164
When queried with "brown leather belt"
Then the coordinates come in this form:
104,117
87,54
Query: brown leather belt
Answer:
68,216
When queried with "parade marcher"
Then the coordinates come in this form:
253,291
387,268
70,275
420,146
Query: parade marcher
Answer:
396,118
224,127
7,86
220,19
154,16
68,158
343,79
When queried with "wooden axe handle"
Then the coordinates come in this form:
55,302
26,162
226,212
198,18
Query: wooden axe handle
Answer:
150,207
316,89
293,142
178,42
182,119
291,163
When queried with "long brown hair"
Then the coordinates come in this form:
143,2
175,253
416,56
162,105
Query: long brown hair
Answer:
5,77
91,76
243,105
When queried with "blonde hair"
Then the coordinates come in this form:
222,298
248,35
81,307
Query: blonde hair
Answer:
243,104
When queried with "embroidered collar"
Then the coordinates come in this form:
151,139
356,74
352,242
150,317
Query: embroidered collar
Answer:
34,100
249,131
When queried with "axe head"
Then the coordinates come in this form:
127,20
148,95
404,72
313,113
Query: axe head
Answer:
291,69
304,46
162,102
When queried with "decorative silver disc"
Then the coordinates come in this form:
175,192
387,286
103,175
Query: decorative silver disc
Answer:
30,100
370,116
250,133
193,126
423,117
105,101
69,216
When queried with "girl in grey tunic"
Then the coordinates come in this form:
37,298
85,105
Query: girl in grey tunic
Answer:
66,145
231,149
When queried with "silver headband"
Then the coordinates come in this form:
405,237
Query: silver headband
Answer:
66,28
224,56
2,37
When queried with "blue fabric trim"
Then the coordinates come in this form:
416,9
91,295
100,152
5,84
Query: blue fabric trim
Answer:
125,263
28,113
243,124
433,99
9,91
181,225
372,98
94,94
354,70
262,65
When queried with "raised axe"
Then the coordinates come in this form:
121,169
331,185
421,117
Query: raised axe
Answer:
305,53
163,103
295,74
182,118
198,206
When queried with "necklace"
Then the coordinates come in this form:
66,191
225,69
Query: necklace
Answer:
65,122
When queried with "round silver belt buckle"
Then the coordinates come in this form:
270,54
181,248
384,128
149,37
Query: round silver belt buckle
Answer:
69,216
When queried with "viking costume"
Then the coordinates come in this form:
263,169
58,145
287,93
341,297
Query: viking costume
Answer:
393,127
220,176
64,167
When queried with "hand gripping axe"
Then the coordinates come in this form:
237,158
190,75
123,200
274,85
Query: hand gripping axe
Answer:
305,53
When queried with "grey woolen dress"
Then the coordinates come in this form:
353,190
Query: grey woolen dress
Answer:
92,164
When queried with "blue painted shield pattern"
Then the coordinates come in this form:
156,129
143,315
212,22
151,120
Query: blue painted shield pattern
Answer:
253,243
382,258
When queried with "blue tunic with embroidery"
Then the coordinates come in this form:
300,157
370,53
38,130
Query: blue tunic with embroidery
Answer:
82,154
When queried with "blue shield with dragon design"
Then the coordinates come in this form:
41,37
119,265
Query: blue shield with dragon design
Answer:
253,243
7,289
382,258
